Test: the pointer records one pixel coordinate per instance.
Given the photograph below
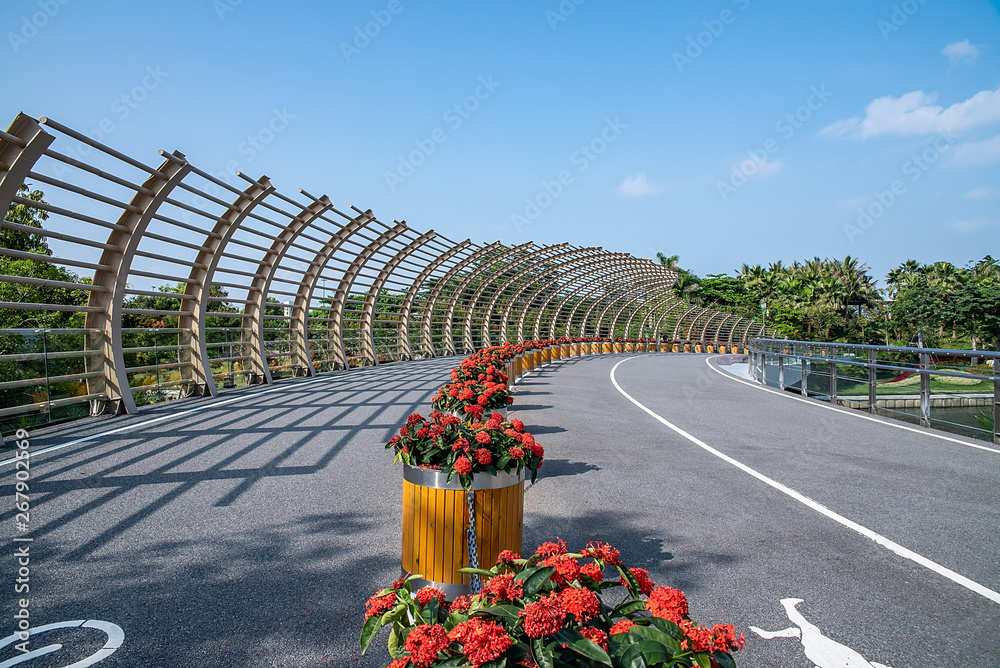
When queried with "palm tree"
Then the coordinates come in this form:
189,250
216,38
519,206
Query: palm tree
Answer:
686,286
669,262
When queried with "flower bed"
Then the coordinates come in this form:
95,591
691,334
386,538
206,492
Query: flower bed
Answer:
551,609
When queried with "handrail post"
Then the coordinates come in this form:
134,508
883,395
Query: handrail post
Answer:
871,381
925,390
996,401
833,377
781,371
804,389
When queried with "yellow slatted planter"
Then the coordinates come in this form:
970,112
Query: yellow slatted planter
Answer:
575,349
619,347
595,348
566,348
435,518
546,355
606,346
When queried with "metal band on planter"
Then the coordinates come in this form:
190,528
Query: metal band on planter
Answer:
435,518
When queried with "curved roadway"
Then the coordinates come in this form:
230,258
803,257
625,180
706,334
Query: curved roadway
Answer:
249,529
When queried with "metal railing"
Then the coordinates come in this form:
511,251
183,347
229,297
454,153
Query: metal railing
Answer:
954,390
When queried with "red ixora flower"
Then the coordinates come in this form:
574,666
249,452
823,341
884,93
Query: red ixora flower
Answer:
641,576
517,425
483,437
400,663
543,617
550,548
483,456
425,642
378,605
604,552
597,635
581,603
507,556
502,588
667,603
622,627
482,641
567,568
461,604
425,595
463,465
414,418
593,571
516,453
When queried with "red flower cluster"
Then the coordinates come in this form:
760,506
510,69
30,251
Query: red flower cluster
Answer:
482,641
667,603
380,604
425,642
641,576
597,635
581,603
502,588
543,617
427,594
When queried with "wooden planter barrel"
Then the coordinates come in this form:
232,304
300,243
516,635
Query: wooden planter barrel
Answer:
556,352
435,518
566,349
574,349
546,355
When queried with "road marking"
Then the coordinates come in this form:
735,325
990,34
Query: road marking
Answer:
844,411
175,416
822,651
114,632
894,547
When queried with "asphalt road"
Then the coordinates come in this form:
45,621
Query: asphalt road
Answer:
248,530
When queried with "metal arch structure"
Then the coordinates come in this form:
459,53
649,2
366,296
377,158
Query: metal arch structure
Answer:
157,253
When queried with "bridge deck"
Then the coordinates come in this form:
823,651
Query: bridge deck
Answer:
248,530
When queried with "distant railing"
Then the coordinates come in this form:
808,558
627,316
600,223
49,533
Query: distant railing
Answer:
953,390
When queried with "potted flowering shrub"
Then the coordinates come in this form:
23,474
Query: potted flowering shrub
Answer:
554,608
471,399
450,465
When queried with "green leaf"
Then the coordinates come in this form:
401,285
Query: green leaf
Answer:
628,608
541,654
499,663
508,611
633,584
477,571
537,578
723,660
504,461
372,626
703,660
656,635
668,627
644,654
583,646
394,644
454,661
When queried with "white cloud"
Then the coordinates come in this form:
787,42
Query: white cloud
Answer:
639,185
968,225
915,113
977,153
982,193
961,52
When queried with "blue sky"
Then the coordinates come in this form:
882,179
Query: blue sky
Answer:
726,132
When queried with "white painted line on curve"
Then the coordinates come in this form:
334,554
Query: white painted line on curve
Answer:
846,411
892,546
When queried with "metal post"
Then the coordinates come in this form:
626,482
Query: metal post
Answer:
925,390
781,371
833,377
871,381
804,390
996,401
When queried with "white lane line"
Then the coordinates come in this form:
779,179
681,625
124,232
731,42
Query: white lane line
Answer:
175,416
971,585
846,411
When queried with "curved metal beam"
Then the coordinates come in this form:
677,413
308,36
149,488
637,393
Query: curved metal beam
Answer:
201,277
368,352
403,321
426,334
336,319
588,257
